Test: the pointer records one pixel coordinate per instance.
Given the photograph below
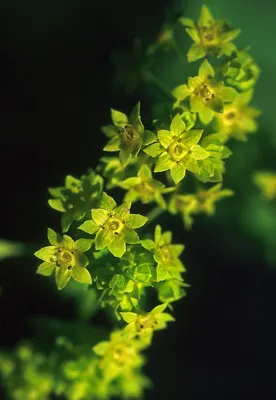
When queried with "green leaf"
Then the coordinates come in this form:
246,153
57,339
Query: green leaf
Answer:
191,138
193,33
119,119
145,172
109,130
128,317
131,236
66,221
198,153
124,157
136,221
89,227
122,211
196,52
63,276
46,253
216,104
99,216
148,244
161,272
113,144
159,309
81,259
153,150
206,70
68,243
101,348
117,246
206,115
187,22
181,92
107,202
230,35
177,249
81,275
165,138
45,269
205,17
178,172
56,204
229,94
163,163
177,126
135,114
129,182
192,165
103,238
83,245
148,137
53,237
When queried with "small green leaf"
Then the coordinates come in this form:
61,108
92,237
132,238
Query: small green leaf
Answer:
145,172
135,114
63,276
205,17
165,138
46,253
129,317
178,172
196,52
89,227
153,150
136,221
206,70
124,157
131,236
148,137
68,243
56,204
83,245
148,244
101,348
163,163
191,138
119,119
99,216
122,211
107,202
81,259
177,126
229,94
45,269
199,153
113,144
81,275
161,272
193,33
54,238
181,92
117,246
109,130
103,238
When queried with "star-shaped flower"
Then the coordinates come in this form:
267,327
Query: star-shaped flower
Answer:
210,36
165,254
177,150
238,119
143,325
114,226
127,134
65,257
266,182
207,96
201,202
145,188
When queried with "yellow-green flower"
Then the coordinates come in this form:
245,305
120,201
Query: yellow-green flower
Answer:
127,134
201,202
207,96
210,36
144,188
143,325
114,226
65,257
266,182
165,254
177,150
238,119
118,355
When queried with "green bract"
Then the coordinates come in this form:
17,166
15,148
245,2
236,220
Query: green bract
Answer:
127,134
241,71
207,96
210,36
143,325
76,198
65,257
165,254
144,188
114,226
177,150
201,202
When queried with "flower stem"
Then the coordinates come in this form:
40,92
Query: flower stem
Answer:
154,213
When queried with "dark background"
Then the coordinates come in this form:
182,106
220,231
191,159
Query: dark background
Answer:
57,89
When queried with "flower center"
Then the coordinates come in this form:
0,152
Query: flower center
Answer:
166,253
209,36
177,150
121,353
129,133
206,93
115,225
64,258
144,189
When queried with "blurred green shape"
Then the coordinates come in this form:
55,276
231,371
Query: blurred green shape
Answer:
10,249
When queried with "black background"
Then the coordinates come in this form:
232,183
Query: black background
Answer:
56,92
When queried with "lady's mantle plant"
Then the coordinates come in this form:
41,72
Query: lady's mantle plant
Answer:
115,250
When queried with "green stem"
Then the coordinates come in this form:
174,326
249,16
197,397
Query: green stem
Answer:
154,213
181,57
150,77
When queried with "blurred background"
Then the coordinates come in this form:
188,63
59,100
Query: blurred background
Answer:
64,65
